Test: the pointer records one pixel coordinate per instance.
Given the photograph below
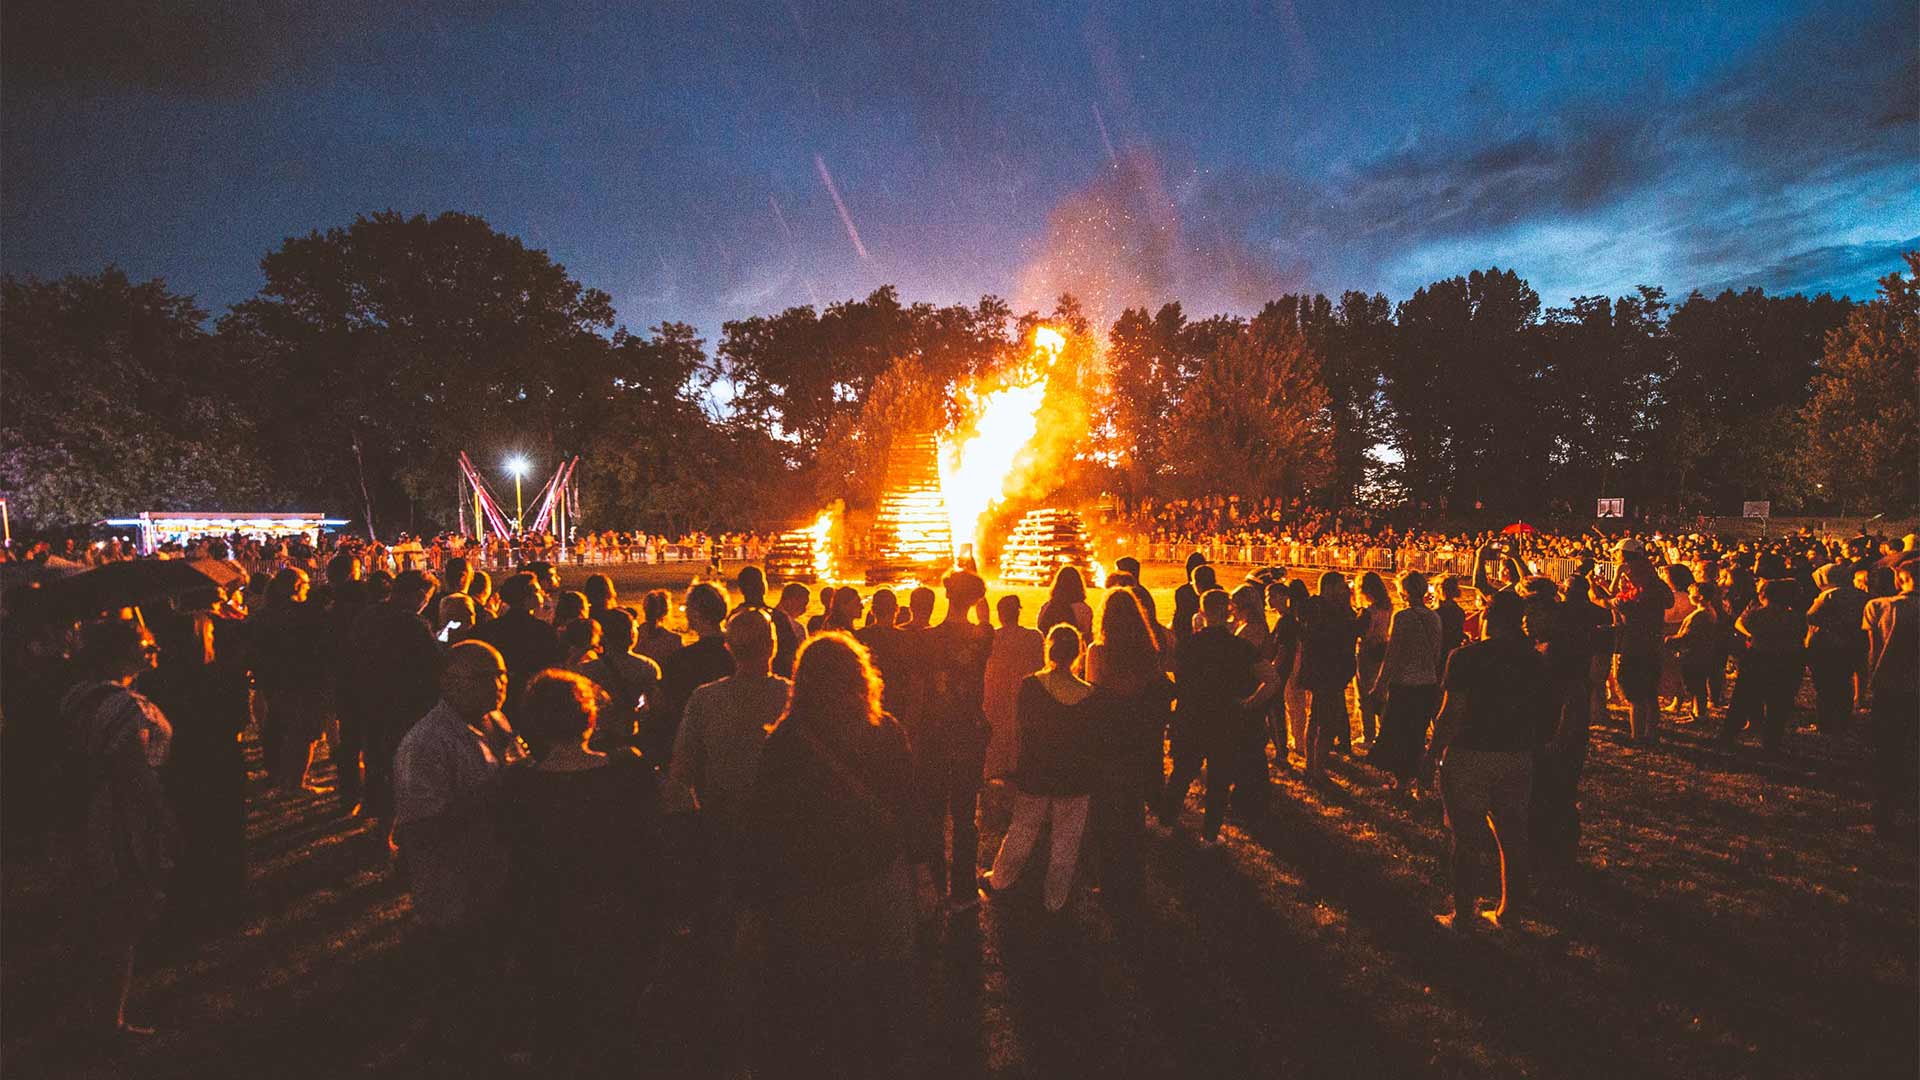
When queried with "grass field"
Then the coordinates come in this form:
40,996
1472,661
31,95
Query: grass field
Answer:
1732,917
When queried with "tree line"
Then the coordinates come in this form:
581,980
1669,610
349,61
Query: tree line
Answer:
375,352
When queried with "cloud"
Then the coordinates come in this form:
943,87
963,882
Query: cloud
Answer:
1832,268
1806,139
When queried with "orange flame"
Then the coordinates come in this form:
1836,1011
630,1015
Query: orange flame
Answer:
821,533
974,469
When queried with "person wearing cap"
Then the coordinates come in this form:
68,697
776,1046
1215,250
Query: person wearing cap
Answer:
1127,564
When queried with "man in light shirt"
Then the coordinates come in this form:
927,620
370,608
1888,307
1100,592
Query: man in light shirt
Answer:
446,779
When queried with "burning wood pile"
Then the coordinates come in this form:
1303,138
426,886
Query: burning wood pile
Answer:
912,535
803,554
1043,542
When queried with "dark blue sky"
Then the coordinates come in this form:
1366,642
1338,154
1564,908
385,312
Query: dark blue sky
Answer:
685,157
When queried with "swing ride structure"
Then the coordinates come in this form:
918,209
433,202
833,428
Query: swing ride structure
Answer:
554,505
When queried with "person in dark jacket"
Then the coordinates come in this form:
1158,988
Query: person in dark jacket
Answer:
396,664
1214,676
1497,711
526,641
1328,662
829,822
583,829
1055,767
686,670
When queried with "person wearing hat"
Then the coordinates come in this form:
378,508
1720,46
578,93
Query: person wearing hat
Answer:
1127,564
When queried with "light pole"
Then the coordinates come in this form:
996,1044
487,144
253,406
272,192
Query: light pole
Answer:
518,467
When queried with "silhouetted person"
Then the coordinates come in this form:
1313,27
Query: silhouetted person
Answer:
700,662
397,674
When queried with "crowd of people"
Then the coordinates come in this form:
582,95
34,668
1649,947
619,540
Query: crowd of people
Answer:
798,782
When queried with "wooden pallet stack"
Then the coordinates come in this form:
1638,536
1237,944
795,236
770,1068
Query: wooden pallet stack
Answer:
911,536
1043,542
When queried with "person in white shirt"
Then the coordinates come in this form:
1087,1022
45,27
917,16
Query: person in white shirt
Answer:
446,779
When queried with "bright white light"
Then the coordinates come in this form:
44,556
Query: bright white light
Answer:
517,466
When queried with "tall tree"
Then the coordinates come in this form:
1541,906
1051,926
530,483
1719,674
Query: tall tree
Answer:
1741,368
1463,387
384,348
1253,420
1861,421
117,401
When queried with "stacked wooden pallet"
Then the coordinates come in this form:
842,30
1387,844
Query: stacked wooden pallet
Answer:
911,536
1043,542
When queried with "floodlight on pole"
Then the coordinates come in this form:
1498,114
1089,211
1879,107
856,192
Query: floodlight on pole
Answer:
518,467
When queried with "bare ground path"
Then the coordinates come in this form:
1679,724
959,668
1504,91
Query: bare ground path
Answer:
1732,917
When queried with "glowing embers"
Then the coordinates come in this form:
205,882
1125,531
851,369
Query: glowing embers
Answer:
912,535
804,554
1043,542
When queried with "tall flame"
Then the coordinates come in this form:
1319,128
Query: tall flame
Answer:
821,532
974,469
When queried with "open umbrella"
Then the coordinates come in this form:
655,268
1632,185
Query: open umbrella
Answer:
119,585
1517,528
224,574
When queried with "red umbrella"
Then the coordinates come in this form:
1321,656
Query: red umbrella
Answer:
1518,527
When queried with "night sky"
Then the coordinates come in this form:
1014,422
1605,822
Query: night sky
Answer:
703,161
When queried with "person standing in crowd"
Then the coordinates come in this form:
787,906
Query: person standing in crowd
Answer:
752,584
396,676
630,680
485,603
447,780
525,640
583,833
1409,683
569,606
955,738
124,836
1186,599
1054,770
1378,622
1213,678
653,639
1836,644
1282,653
891,652
600,593
828,821
201,685
1892,624
688,669
1453,619
1640,602
1553,804
1067,603
1697,644
1327,665
1494,715
1247,614
291,673
1133,702
1017,653
1773,657
1299,610
717,749
793,604
1592,624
